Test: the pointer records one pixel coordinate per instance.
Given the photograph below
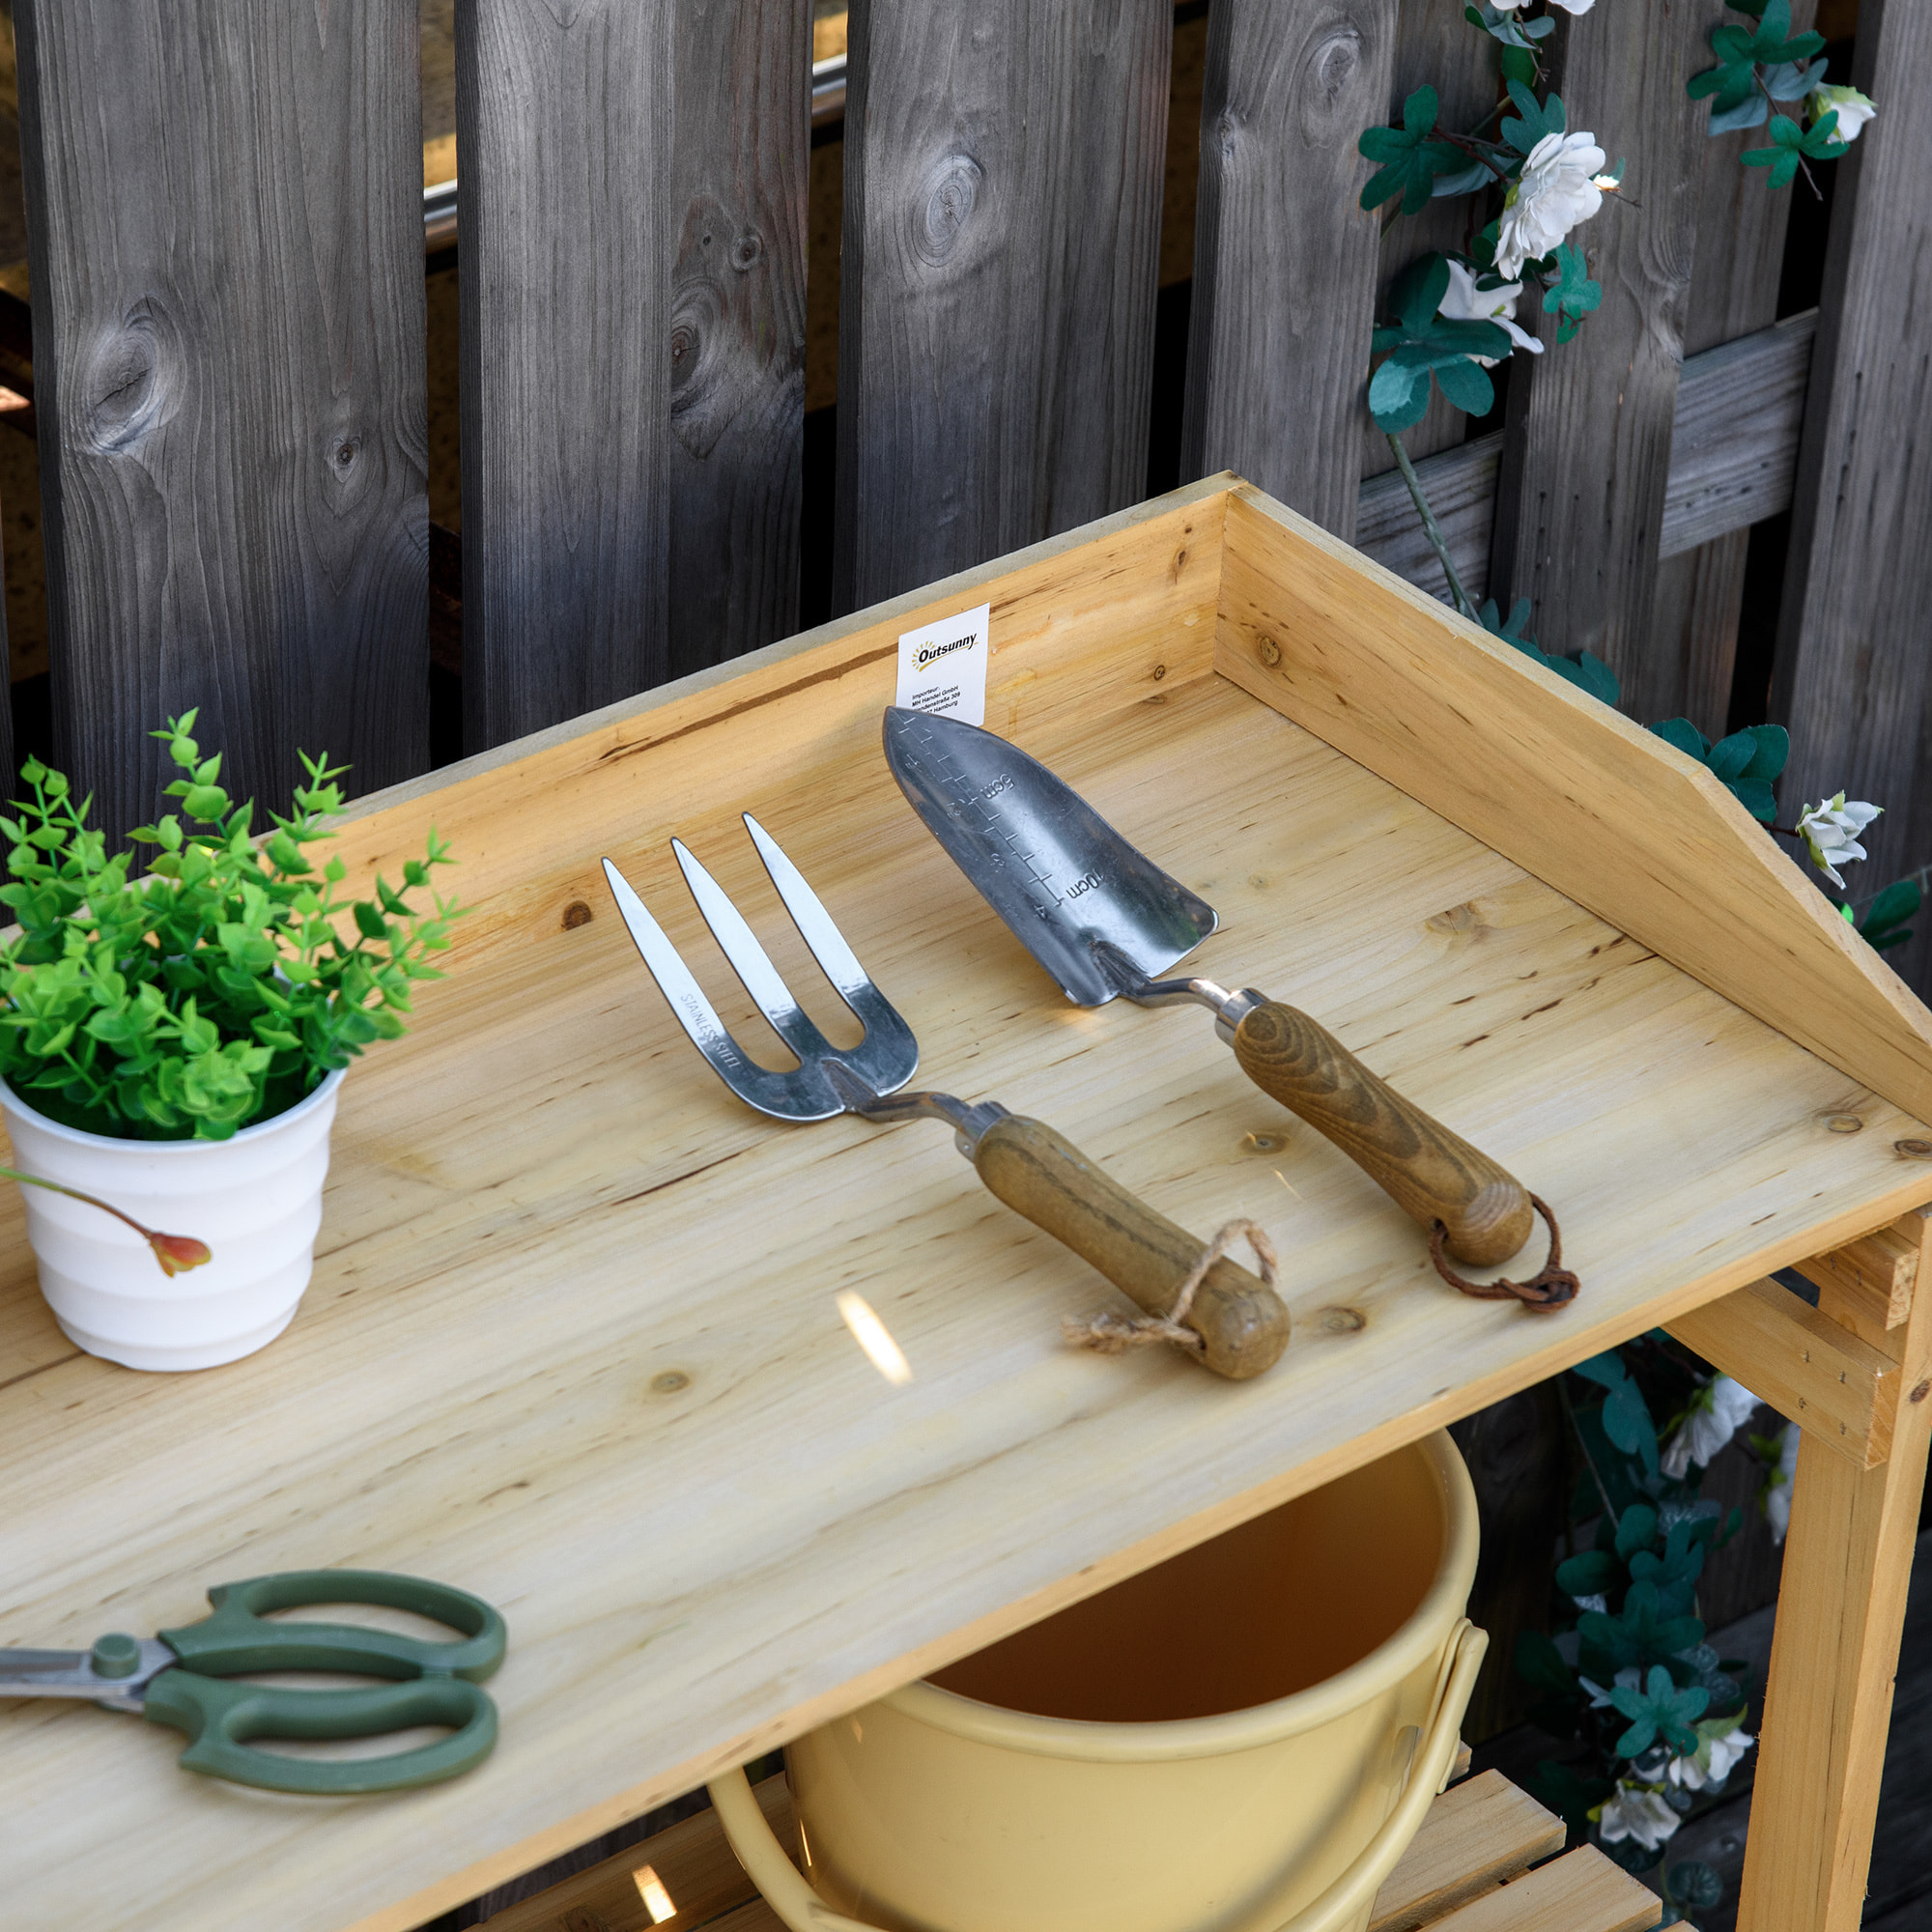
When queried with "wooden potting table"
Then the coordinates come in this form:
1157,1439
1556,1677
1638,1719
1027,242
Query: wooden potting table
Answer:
572,1340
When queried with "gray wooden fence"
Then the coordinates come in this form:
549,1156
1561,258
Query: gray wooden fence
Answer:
225,219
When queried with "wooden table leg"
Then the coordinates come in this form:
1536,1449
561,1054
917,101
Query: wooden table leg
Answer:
1840,1608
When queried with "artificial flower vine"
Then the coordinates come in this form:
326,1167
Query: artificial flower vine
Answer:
1451,318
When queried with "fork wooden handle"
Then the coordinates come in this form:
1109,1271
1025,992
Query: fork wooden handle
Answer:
1048,1180
1431,1173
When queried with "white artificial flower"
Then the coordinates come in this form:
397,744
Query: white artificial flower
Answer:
1464,302
1855,109
1777,1486
1555,191
1717,1413
1633,1812
1832,829
1712,1763
1569,6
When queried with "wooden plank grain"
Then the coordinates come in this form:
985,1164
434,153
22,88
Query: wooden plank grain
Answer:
1284,259
1734,439
569,223
1002,221
1808,1367
1437,706
225,231
1834,1653
1582,494
1734,280
739,169
1850,676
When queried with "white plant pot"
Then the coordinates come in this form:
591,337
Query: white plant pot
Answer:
256,1199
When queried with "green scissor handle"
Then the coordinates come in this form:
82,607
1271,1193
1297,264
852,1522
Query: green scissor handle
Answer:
219,1718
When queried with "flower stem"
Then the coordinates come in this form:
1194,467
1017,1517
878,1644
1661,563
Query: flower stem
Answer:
1596,1474
1431,528
174,1252
1803,166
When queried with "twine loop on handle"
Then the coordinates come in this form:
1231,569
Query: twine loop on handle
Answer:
1109,1334
1554,1288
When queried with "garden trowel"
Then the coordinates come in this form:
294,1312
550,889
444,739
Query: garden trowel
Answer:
1104,921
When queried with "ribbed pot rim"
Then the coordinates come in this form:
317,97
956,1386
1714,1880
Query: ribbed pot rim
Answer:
11,1103
1423,1635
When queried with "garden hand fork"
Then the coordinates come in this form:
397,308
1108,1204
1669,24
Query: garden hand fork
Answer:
1234,1324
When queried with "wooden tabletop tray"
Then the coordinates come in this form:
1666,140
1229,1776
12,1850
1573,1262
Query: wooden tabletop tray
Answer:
572,1340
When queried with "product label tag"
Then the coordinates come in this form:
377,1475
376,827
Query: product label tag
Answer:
943,666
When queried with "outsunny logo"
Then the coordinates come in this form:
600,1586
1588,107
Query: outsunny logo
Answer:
932,653
943,665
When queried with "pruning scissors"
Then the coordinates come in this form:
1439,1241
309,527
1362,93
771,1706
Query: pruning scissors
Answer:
177,1679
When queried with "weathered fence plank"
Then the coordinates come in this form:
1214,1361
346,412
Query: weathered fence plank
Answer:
1002,191
1734,282
1580,499
737,325
1851,673
1284,260
224,219
570,220
1734,451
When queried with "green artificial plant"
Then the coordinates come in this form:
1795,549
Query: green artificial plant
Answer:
217,991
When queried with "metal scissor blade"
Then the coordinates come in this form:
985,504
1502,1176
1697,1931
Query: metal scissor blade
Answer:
800,1095
1045,860
29,1663
73,1673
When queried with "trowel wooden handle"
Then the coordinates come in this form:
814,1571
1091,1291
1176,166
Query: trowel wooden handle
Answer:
1431,1173
1049,1181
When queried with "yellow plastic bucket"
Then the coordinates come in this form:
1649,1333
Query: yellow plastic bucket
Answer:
1243,1739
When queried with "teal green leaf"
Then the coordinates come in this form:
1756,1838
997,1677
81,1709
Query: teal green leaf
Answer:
1532,120
1409,159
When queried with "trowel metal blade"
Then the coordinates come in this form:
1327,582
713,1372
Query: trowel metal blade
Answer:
1046,861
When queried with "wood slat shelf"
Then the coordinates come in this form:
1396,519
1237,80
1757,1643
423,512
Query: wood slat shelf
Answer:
572,1340
1482,1862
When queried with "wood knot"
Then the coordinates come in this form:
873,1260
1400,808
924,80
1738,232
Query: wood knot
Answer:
1268,651
1159,672
1341,1321
747,249
1336,62
575,914
944,206
1921,1392
670,1383
1842,1124
1913,1149
1459,923
1270,1142
703,396
130,385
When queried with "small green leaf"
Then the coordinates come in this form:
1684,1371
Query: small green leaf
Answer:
1685,735
1772,754
1729,756
1409,159
1533,120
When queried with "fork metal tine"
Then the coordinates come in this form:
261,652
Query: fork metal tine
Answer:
739,944
889,1055
803,1094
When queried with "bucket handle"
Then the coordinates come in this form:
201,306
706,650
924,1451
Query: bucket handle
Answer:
789,1894
1427,1774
